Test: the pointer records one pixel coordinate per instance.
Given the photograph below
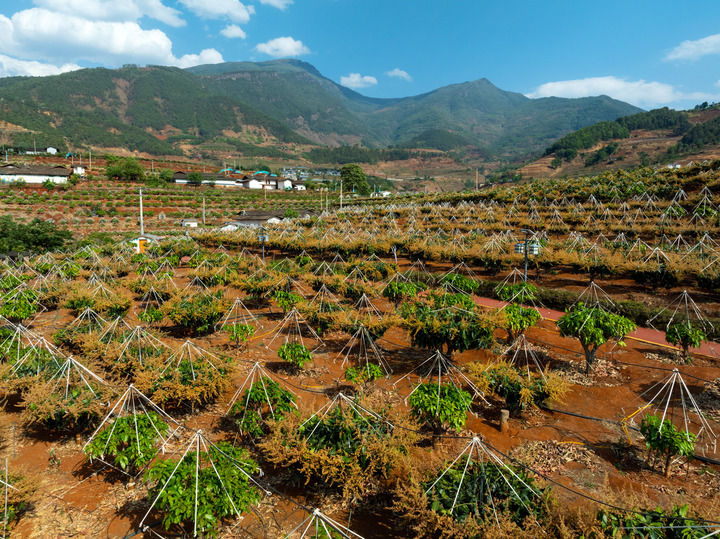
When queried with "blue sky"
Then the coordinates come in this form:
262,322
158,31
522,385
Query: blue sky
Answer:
647,53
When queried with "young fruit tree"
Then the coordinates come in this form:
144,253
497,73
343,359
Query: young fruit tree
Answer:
240,333
685,335
593,327
518,319
440,406
666,440
295,353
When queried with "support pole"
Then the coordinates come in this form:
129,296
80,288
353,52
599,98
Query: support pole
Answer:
504,418
142,224
526,256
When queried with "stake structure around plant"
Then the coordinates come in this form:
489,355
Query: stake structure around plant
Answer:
317,524
362,350
191,353
339,401
256,374
438,367
200,444
238,313
673,401
71,373
521,354
133,403
477,451
142,342
292,326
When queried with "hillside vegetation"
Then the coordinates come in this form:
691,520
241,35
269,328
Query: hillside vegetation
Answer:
276,109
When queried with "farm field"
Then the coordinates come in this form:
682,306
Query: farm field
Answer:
381,371
103,206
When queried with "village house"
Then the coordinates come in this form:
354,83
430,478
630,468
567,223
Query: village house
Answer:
34,175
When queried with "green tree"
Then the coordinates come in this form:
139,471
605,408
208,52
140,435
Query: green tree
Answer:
125,169
518,319
195,179
353,177
593,327
166,175
37,236
685,335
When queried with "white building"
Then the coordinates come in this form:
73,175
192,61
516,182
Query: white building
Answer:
34,175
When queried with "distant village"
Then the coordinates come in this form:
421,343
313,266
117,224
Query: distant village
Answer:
295,178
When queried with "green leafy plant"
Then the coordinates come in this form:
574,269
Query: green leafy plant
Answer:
19,305
685,335
655,524
483,488
517,292
398,291
666,440
211,480
440,406
151,315
286,300
240,333
129,440
197,313
593,327
449,329
295,353
265,398
456,281
362,374
518,319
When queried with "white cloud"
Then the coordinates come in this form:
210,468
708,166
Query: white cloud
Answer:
356,80
115,10
280,4
41,34
640,93
282,47
220,9
693,50
399,74
233,31
12,67
206,56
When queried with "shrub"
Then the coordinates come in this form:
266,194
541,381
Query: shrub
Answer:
362,374
482,488
222,488
129,440
593,327
295,353
440,406
518,319
197,313
264,399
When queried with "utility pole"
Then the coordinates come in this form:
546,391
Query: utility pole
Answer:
527,237
341,193
203,211
476,179
90,166
142,224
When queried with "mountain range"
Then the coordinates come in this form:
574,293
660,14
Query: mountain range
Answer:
279,108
